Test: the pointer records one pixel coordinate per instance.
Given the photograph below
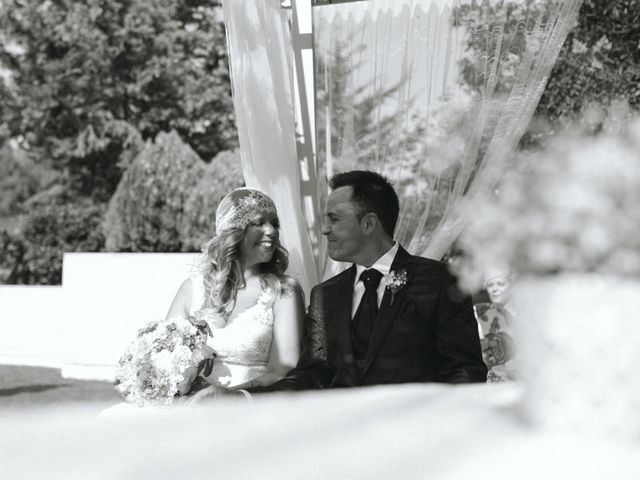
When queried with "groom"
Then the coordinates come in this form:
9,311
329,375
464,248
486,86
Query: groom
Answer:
390,318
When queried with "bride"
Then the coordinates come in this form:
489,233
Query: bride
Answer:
243,297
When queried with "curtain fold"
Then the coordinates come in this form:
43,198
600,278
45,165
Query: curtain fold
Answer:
259,42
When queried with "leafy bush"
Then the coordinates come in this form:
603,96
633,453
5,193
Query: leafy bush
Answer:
13,250
34,255
598,66
222,175
599,63
147,207
84,78
20,178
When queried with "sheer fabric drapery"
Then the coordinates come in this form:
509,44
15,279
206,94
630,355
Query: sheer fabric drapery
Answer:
433,93
260,56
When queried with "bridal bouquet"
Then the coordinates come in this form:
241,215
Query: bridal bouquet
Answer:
572,207
154,364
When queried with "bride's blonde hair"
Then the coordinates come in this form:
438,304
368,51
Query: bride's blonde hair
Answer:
220,263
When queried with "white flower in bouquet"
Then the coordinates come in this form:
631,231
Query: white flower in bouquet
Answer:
572,207
153,365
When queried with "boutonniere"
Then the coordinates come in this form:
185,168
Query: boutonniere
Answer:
395,282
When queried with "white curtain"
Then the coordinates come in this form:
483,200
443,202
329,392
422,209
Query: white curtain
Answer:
260,54
433,93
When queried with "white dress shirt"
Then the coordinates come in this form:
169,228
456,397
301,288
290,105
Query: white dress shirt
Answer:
383,265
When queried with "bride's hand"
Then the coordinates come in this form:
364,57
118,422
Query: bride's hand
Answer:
200,323
205,366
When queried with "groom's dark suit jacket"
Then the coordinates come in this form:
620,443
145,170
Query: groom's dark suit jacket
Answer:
427,334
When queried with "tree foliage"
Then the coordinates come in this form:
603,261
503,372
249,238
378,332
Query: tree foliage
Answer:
147,207
220,177
358,121
87,81
83,86
599,63
496,38
20,178
34,255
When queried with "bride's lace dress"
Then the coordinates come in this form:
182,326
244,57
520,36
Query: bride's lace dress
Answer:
243,344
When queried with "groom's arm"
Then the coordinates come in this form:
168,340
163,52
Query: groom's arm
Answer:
312,371
457,340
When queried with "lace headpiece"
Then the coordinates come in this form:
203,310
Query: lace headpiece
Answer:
237,209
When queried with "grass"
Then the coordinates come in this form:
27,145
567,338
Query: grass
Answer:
42,387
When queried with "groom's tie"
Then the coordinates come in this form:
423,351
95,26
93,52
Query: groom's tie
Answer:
366,314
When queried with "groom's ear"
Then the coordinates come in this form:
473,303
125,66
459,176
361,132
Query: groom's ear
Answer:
369,223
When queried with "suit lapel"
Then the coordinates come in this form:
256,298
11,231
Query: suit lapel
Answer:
388,311
340,299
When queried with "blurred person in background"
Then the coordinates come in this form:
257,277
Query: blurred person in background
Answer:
495,321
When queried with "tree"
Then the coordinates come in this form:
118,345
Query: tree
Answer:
87,82
20,178
497,27
599,63
220,177
358,123
145,212
34,254
83,86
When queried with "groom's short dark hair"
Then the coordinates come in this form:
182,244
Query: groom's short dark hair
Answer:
374,193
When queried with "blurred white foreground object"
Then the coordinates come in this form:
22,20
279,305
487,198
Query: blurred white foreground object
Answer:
403,431
579,347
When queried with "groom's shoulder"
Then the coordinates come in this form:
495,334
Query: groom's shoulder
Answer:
429,262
